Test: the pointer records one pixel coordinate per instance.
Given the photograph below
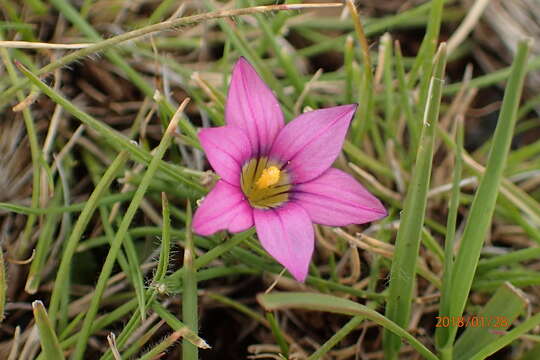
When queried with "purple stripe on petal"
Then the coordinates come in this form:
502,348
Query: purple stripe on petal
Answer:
227,149
252,106
223,208
336,199
287,234
312,141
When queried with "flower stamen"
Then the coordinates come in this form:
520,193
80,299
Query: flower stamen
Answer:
270,176
264,184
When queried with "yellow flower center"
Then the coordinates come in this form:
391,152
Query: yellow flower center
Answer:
269,177
264,184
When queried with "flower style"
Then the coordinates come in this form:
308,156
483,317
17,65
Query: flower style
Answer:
278,177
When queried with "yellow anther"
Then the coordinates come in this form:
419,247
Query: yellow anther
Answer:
269,177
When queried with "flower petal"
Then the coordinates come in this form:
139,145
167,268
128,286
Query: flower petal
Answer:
252,106
336,199
312,141
287,234
227,149
223,208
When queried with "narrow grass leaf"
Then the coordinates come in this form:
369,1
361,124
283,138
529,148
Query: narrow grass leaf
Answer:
402,275
117,140
136,273
159,349
498,314
165,248
118,240
43,248
451,229
177,325
507,338
189,296
49,342
278,334
482,208
78,230
327,303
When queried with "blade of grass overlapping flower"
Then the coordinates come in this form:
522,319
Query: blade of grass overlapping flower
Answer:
402,275
23,245
480,215
328,303
118,240
451,226
190,311
116,139
500,311
47,337
78,230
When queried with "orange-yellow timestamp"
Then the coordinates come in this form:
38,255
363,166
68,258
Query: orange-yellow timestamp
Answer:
475,321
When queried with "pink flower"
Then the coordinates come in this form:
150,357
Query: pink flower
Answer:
278,177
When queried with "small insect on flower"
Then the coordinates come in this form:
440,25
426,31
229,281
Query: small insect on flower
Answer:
278,177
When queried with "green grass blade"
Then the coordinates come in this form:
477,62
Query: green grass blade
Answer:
189,296
365,114
35,150
506,339
177,325
351,325
172,281
43,248
119,141
321,302
402,276
136,274
451,230
498,314
483,206
118,239
157,351
49,342
163,263
78,230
